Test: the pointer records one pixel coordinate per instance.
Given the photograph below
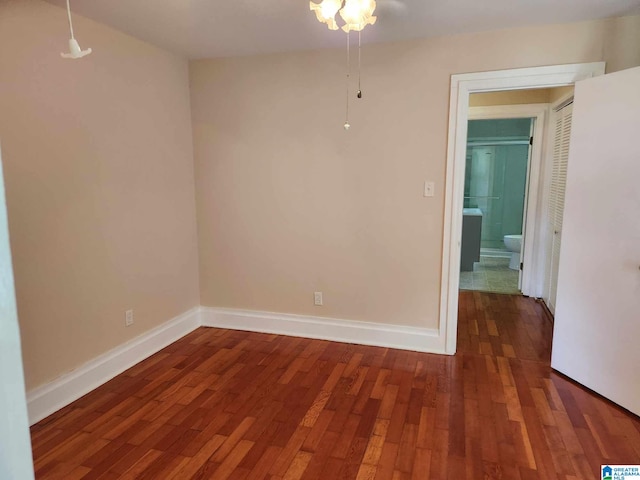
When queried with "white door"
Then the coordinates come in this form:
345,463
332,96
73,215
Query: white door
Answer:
597,323
15,444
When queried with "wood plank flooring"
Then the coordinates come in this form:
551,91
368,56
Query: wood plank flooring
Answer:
221,404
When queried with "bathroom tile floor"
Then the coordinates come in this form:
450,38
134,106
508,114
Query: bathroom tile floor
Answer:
491,274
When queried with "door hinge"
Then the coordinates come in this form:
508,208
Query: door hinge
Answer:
530,140
521,265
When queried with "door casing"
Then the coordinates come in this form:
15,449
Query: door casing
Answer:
461,87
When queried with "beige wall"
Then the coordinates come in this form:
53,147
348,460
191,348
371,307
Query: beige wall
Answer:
510,97
289,203
519,97
99,178
622,43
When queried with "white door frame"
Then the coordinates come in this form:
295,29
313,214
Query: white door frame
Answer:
461,87
531,247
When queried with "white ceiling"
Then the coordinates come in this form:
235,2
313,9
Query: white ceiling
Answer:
216,28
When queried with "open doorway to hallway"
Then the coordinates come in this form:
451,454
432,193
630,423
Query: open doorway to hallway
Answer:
495,191
507,178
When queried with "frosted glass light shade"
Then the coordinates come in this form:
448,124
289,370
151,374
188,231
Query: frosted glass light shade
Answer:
326,12
357,14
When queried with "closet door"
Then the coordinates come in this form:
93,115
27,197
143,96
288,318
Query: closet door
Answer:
563,120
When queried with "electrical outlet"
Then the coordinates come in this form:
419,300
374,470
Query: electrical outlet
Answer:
128,318
317,298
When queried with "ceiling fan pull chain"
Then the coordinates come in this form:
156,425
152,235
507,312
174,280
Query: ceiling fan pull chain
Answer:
75,51
359,62
69,17
346,123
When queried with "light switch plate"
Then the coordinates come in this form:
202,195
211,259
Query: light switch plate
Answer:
429,189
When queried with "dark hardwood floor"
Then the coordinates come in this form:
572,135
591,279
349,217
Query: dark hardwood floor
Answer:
222,404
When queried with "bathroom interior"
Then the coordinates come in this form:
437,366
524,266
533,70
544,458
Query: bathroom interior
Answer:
496,169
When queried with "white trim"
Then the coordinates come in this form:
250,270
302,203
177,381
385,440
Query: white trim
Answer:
51,397
348,331
461,86
532,247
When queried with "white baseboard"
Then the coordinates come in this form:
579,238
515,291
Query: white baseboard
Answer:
47,399
51,397
348,331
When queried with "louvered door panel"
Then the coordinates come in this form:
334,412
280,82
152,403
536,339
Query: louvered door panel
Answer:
556,197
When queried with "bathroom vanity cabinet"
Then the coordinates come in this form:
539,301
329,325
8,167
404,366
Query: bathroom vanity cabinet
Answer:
471,235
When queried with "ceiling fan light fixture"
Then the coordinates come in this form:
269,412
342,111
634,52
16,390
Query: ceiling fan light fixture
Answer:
356,15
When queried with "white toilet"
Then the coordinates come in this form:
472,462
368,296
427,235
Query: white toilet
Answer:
514,245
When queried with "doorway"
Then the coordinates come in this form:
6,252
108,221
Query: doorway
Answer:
495,196
461,88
